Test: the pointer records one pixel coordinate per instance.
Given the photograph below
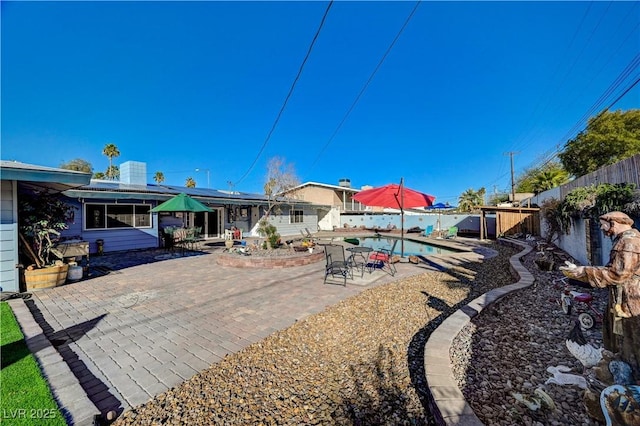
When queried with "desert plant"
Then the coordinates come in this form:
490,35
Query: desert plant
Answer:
41,217
268,231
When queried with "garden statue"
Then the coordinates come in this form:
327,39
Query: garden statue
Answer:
621,323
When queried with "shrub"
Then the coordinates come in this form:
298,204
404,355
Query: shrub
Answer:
41,217
594,201
269,231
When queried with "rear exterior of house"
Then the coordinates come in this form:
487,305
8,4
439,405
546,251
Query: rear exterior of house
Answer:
117,214
13,175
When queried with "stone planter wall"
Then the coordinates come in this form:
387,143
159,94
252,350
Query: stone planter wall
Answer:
239,261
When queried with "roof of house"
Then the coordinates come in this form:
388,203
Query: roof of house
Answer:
41,176
79,184
119,190
324,185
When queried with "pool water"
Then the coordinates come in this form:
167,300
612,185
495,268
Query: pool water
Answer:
411,248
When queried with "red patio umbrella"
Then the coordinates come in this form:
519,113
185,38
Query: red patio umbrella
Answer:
395,196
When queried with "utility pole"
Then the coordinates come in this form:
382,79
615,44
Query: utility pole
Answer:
513,183
206,170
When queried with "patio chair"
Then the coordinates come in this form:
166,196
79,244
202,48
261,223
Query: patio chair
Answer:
308,234
452,233
193,239
428,230
382,259
337,264
180,239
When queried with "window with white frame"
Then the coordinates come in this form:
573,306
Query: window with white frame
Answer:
114,216
296,216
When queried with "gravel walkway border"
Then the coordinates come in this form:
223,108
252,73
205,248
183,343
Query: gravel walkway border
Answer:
448,404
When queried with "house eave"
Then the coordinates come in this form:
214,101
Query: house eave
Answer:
43,177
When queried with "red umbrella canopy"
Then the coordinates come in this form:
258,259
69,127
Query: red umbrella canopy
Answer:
391,196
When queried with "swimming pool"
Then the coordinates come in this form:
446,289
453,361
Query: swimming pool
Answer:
411,248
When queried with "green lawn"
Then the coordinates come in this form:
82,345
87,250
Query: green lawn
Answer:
25,398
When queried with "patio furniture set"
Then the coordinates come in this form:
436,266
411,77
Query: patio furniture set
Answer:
361,259
450,233
183,238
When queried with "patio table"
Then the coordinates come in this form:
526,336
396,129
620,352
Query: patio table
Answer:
358,253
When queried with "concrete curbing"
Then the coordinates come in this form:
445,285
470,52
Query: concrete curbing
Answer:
446,402
71,398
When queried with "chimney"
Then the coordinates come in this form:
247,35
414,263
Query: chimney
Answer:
344,182
133,173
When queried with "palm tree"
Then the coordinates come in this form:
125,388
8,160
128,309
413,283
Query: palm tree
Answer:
110,150
113,172
99,175
549,179
470,199
159,177
190,183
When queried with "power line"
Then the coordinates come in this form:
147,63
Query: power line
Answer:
522,137
364,88
630,68
624,74
624,93
293,85
533,135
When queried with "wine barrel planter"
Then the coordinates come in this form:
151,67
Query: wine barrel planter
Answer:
48,277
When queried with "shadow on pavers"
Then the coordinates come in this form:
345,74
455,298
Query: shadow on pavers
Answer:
96,390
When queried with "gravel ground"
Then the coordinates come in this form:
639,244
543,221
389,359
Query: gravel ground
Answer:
361,362
509,348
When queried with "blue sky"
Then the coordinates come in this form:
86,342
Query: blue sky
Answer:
199,85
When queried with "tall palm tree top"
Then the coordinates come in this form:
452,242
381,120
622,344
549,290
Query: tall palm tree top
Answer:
110,150
159,177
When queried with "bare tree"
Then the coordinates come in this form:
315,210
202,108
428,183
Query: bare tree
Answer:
281,177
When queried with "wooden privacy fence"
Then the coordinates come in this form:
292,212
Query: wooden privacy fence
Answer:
511,220
625,171
509,223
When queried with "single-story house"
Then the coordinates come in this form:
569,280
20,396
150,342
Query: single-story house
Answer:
118,212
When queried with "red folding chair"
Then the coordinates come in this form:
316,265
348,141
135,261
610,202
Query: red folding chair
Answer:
381,259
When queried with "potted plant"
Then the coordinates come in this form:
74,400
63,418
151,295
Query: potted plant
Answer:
41,217
308,244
